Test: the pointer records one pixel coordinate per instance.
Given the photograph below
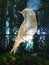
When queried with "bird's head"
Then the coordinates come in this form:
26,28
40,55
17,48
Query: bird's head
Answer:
27,12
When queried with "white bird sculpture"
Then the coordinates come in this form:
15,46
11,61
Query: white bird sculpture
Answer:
27,29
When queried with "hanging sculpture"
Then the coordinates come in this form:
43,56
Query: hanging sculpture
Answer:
27,29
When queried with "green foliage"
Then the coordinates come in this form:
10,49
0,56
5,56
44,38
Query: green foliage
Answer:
10,59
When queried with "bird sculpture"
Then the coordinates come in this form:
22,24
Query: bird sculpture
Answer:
27,29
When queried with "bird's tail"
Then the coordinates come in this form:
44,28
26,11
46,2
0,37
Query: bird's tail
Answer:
16,44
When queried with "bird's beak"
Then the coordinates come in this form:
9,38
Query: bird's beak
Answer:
20,12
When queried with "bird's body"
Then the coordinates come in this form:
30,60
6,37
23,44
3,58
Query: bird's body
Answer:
27,29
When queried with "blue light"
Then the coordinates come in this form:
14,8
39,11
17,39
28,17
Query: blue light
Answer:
7,23
34,4
38,31
43,32
7,27
29,45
